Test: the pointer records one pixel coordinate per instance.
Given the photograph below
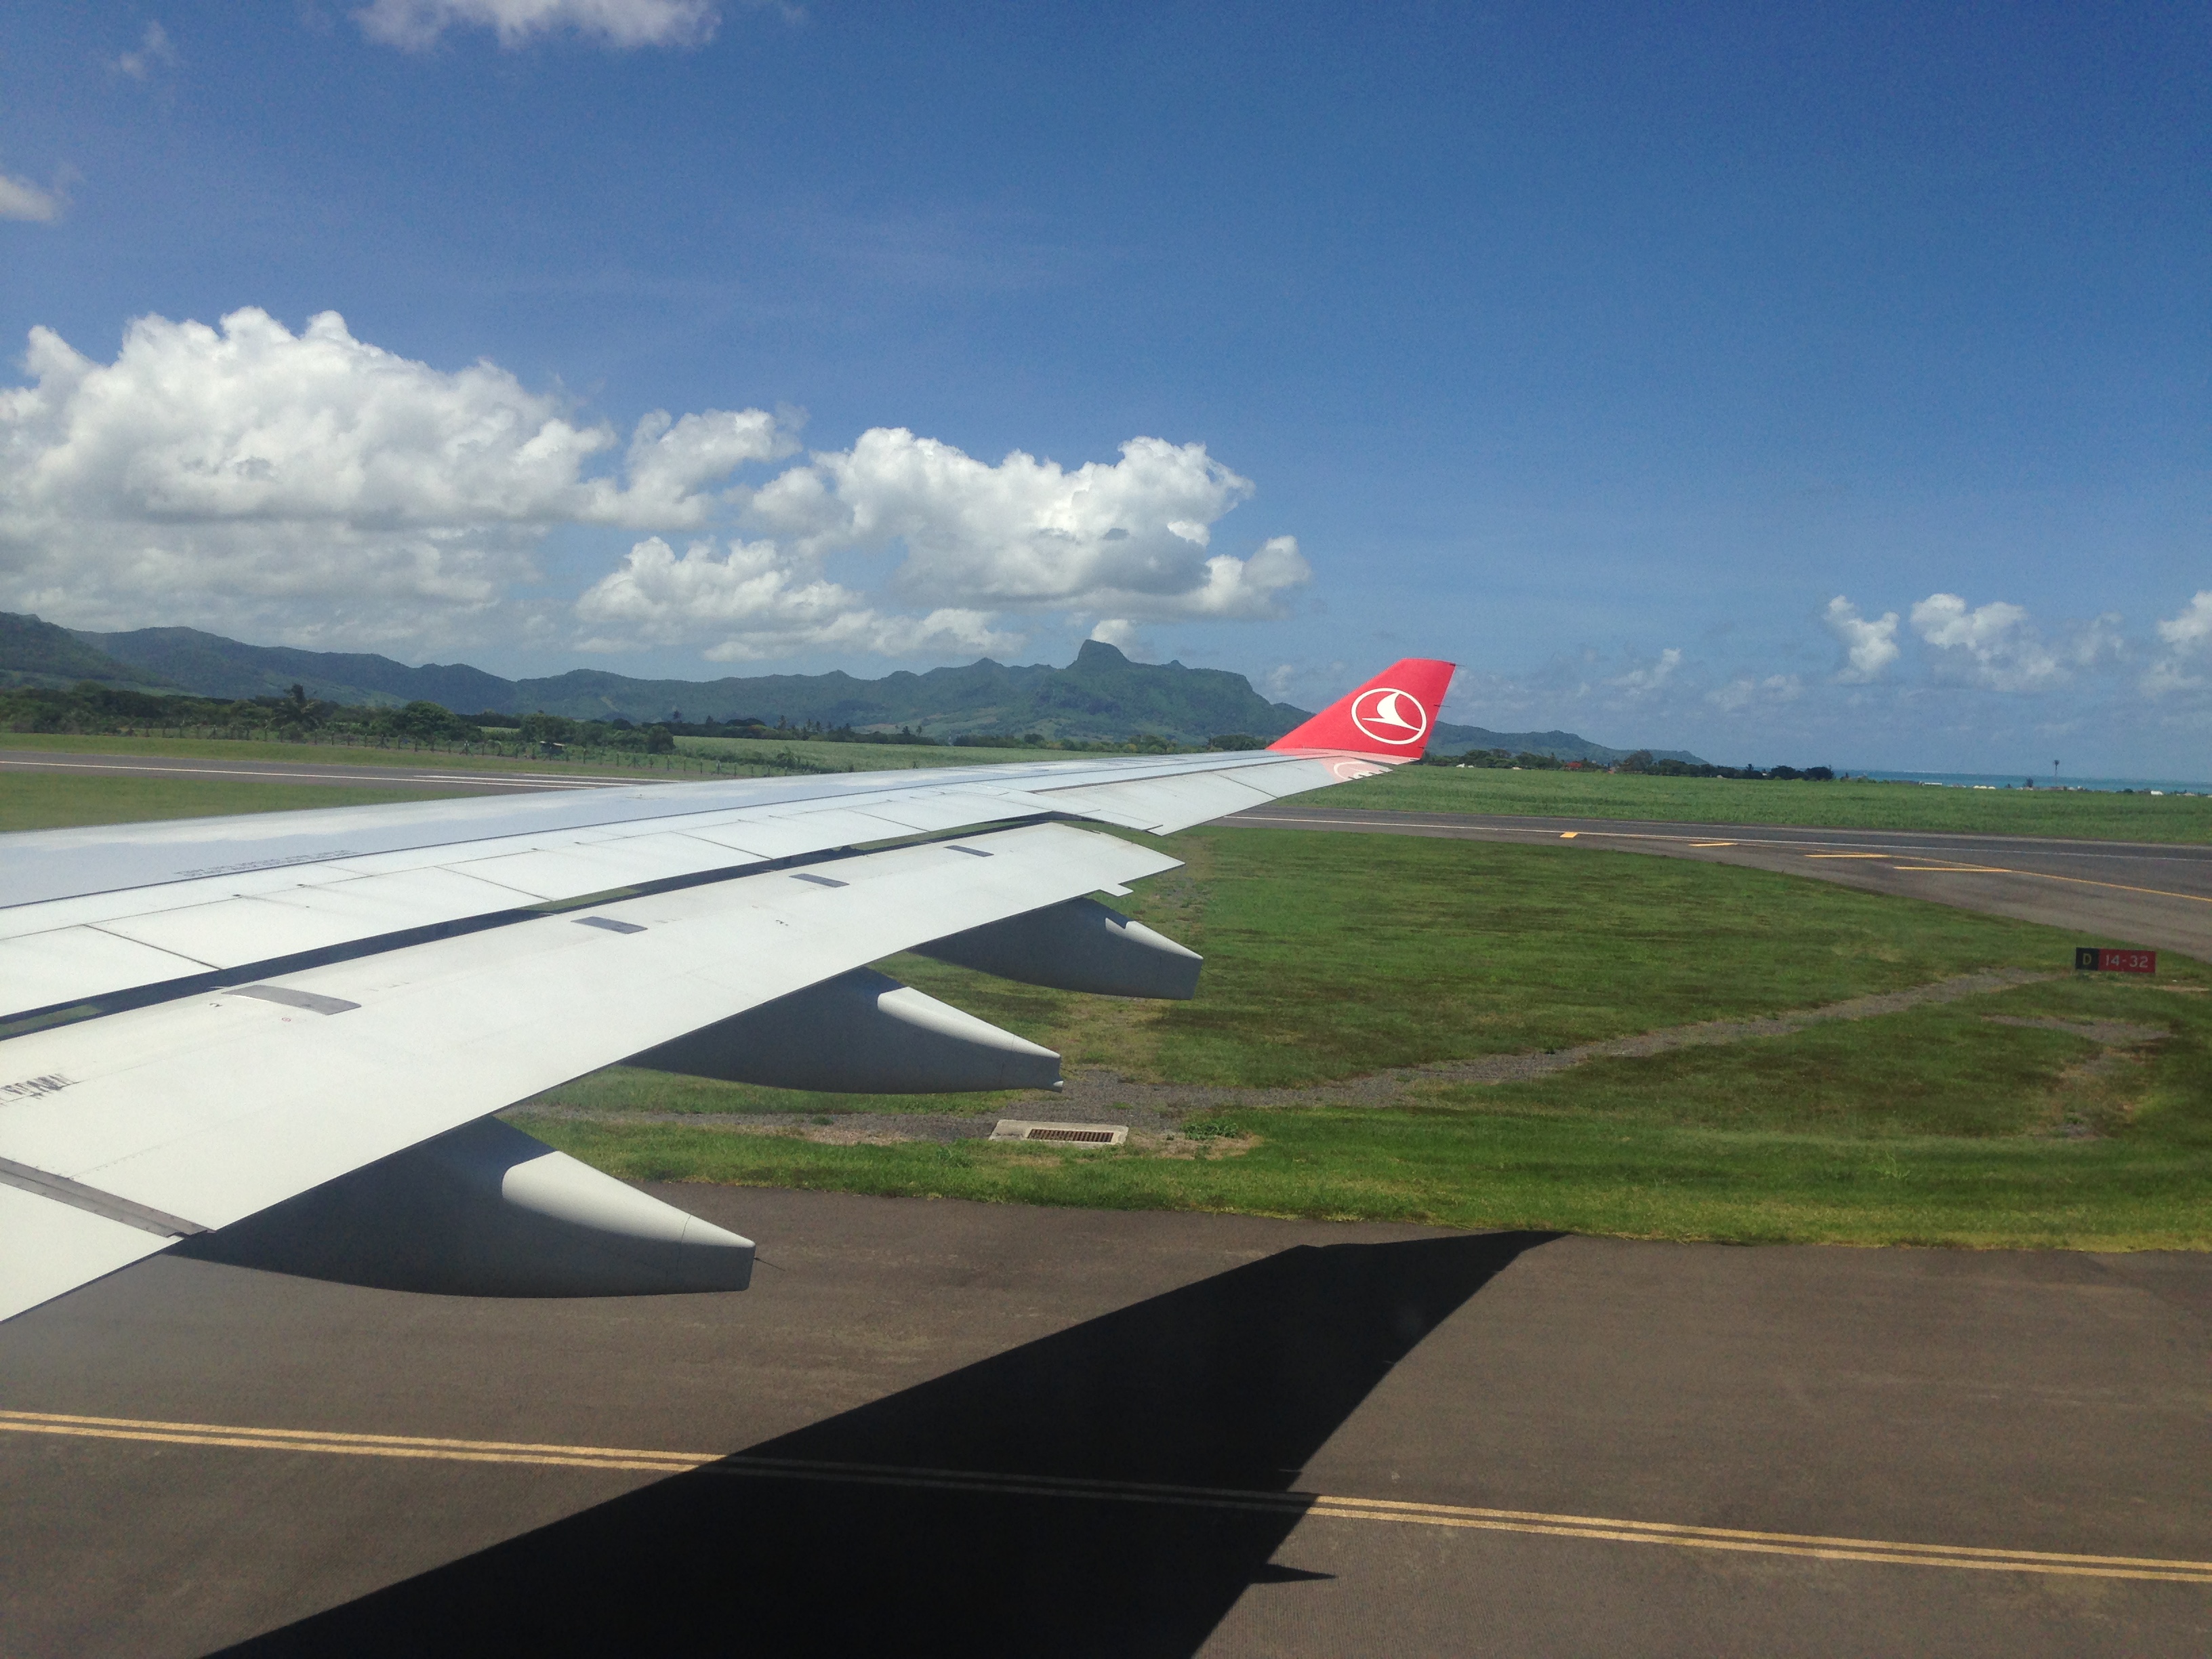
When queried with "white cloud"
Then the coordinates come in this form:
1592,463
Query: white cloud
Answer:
2193,629
1127,541
1747,691
248,475
1638,683
155,51
1993,645
1869,646
417,25
21,200
2097,641
671,463
1123,634
757,603
2189,638
317,489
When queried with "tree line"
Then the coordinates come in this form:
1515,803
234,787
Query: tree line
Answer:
1641,763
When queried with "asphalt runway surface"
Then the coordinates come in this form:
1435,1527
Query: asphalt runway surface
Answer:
2110,892
948,1427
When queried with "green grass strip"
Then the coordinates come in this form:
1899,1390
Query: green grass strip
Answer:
2090,815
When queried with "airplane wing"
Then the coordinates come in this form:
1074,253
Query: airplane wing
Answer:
277,1039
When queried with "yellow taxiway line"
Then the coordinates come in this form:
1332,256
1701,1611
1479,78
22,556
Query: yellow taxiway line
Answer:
1301,1505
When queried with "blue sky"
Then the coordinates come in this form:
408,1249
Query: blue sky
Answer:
1821,385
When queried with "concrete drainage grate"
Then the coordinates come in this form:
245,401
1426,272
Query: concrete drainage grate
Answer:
1067,1134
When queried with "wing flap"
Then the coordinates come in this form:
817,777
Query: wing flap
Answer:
599,866
1164,805
53,1246
72,964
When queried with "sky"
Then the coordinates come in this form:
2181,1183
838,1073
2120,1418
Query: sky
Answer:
1817,384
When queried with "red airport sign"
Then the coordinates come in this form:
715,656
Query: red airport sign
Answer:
2090,959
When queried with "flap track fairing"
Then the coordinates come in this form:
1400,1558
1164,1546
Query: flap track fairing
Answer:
1078,946
484,1210
860,1033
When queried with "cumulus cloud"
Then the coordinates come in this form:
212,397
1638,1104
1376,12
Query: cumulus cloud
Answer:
1648,680
1993,645
671,462
1870,645
155,51
2193,629
1748,691
320,489
1123,635
21,200
2188,639
1119,545
418,25
1130,540
244,471
758,602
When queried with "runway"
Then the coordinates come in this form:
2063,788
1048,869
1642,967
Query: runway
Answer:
336,773
2113,892
948,1427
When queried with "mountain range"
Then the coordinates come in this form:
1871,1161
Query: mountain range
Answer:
1102,693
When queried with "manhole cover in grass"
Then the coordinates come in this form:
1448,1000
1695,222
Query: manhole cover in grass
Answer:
1067,1134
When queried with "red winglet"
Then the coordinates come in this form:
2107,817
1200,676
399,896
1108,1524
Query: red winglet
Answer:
1390,717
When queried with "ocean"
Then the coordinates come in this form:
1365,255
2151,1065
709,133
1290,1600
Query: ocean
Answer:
2014,780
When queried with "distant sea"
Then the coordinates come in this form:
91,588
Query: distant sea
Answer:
2013,780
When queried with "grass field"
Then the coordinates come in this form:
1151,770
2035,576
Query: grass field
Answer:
2096,815
317,754
52,800
738,751
1331,956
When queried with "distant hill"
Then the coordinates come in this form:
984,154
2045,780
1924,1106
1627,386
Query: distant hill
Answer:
1102,693
214,667
35,653
1449,740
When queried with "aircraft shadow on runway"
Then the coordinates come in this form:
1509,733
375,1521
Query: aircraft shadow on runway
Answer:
1231,1383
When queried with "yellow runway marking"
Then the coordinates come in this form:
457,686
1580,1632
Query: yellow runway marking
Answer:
1712,843
2117,886
1301,1505
1969,870
1849,855
1569,835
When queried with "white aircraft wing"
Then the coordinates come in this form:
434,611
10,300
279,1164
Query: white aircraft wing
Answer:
201,1022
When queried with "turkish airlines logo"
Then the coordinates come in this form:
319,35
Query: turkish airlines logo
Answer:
1391,716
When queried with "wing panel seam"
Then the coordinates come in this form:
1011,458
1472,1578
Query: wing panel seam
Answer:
106,1205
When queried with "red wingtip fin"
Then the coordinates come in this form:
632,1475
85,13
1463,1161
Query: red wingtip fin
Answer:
1390,717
